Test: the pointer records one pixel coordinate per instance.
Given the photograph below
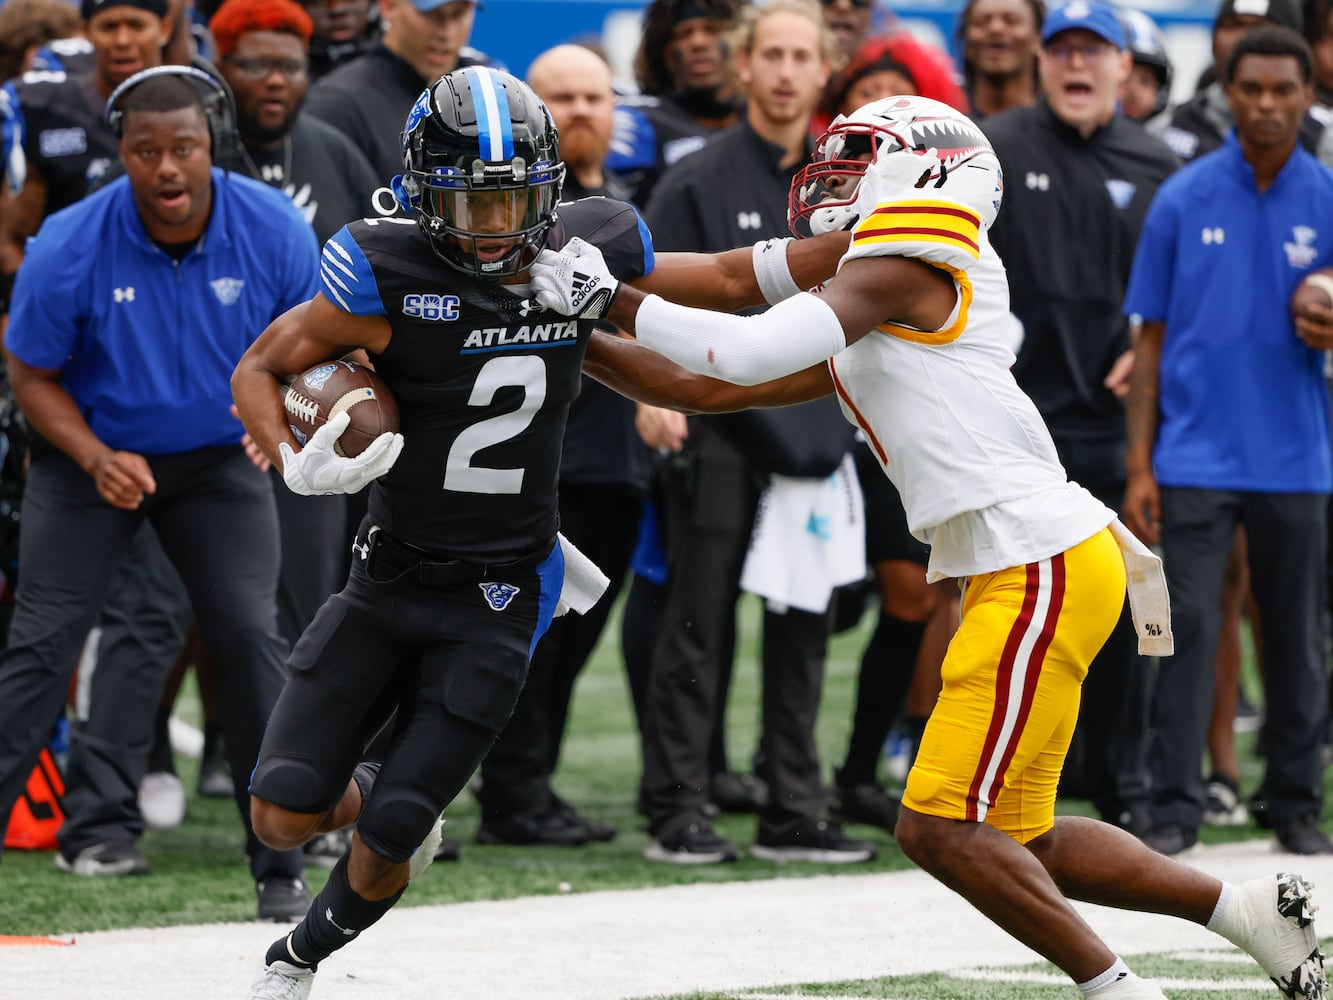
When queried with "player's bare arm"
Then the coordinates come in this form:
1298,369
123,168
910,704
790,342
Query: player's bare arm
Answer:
727,280
122,477
1143,499
645,376
305,335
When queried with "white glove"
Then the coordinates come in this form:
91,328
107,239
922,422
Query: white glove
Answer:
573,281
317,470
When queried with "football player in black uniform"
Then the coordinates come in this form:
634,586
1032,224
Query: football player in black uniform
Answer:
457,568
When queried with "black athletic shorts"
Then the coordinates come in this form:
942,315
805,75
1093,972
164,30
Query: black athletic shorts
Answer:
389,641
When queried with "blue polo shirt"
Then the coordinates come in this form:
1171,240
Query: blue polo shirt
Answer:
145,345
1244,405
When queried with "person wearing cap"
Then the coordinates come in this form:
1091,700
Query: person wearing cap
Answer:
56,143
1199,125
368,98
1229,424
1078,180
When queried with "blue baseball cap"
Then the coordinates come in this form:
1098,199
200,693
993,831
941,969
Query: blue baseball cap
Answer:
1099,18
426,6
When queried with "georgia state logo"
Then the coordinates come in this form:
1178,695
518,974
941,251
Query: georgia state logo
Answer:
498,595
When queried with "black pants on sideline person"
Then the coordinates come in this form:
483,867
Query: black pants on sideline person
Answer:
1286,534
709,525
213,513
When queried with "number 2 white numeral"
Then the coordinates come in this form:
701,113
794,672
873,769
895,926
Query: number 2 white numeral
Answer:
525,372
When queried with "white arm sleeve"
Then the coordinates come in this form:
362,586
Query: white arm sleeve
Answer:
795,334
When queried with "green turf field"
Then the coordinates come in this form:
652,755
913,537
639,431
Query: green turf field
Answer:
199,876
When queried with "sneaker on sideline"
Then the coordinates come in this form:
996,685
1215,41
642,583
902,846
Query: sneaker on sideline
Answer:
1272,918
101,860
869,804
1223,806
282,981
282,900
1303,837
694,843
1173,841
327,849
215,777
821,842
737,792
546,827
161,800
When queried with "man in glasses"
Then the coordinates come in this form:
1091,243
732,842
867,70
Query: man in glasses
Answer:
1078,180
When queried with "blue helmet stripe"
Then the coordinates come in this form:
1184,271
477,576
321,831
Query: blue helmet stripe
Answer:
495,132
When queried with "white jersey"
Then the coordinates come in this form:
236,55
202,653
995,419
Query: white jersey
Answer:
976,467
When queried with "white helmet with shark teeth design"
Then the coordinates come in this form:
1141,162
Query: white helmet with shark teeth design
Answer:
910,147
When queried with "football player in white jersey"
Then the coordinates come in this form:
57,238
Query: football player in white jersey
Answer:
913,336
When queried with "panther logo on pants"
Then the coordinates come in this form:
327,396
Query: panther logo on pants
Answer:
498,595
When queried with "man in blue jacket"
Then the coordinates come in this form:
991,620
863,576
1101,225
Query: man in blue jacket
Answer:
130,311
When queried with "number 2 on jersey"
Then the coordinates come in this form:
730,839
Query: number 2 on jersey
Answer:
527,373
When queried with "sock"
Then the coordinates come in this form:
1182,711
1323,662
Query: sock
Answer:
1224,922
212,740
335,918
1118,971
160,757
365,774
881,685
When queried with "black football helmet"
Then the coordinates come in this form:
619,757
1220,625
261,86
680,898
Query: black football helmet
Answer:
481,169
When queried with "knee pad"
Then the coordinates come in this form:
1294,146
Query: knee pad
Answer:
294,784
395,821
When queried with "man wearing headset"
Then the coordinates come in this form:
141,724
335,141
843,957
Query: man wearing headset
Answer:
130,311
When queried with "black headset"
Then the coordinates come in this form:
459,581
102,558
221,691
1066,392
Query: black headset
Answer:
219,108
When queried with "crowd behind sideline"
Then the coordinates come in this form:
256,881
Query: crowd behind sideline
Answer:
329,147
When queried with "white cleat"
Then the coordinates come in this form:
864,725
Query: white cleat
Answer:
282,981
425,854
1276,921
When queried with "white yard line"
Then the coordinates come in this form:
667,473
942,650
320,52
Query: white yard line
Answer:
613,945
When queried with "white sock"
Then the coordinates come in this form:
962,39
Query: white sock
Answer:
1118,971
1223,919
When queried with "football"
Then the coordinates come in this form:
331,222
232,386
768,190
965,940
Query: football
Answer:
1315,289
332,387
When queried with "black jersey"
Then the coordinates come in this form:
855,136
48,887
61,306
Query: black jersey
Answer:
327,178
483,388
58,130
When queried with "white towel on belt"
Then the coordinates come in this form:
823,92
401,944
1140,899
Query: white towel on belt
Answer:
1149,603
808,537
584,582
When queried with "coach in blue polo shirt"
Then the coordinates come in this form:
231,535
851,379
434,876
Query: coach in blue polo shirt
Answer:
130,311
1229,424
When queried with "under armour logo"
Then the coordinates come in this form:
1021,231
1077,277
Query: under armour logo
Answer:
749,220
1037,182
498,595
123,294
363,549
1214,235
328,915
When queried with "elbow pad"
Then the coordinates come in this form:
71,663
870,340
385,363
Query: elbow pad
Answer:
746,350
